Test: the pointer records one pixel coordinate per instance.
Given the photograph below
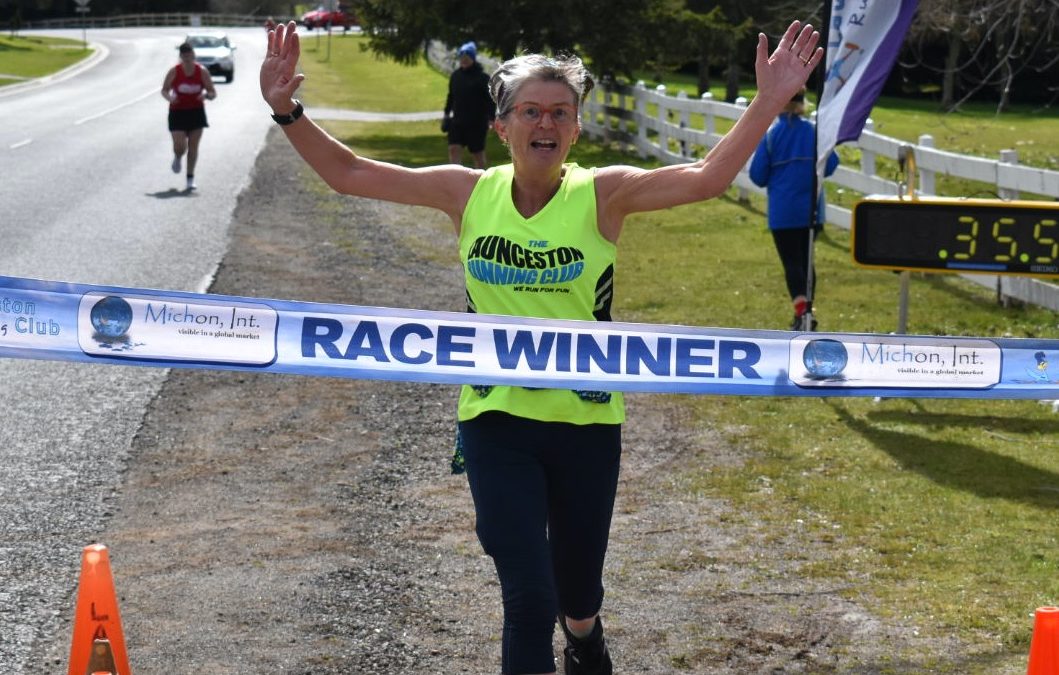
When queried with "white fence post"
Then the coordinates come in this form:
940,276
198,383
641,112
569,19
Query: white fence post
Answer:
684,118
867,157
604,100
663,117
709,126
926,176
641,118
1008,157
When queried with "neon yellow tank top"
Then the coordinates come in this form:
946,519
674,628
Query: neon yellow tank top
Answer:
554,265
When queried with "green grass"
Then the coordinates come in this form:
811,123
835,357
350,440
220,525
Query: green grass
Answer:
976,129
937,513
942,510
353,78
29,57
407,143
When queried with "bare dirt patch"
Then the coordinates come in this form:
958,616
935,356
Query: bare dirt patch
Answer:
283,524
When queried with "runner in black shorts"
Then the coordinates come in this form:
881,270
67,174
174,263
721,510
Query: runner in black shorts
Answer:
469,109
187,86
187,120
469,136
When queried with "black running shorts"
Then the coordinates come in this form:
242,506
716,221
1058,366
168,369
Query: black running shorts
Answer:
470,135
187,120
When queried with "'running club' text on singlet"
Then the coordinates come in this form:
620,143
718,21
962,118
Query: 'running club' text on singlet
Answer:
554,264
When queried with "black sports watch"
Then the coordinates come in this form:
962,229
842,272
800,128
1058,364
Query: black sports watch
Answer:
292,116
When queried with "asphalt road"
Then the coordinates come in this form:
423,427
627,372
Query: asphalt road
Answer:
87,195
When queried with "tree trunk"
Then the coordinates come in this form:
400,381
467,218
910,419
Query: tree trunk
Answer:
731,91
1005,89
948,81
704,70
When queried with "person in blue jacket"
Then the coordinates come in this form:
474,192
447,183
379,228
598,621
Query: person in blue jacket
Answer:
784,164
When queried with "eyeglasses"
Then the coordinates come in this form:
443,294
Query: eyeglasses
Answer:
562,114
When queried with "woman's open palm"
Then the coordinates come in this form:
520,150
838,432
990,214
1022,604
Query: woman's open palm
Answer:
278,78
781,75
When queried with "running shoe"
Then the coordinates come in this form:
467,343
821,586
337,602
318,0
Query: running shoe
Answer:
588,655
804,322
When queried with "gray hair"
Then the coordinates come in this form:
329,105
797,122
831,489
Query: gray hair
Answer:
510,75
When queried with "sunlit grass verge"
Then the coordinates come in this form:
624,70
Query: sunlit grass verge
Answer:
36,56
938,510
345,75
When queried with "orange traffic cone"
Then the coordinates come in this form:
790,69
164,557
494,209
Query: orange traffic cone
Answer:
98,644
1044,647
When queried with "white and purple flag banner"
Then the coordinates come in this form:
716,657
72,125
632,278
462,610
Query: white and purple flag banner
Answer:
144,327
863,41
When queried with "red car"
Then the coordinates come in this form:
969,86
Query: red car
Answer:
323,18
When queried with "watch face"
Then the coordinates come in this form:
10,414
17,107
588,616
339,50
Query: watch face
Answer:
986,236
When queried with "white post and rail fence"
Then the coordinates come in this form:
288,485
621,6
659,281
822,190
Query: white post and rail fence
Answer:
677,129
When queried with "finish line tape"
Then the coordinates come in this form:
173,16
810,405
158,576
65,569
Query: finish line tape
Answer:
142,327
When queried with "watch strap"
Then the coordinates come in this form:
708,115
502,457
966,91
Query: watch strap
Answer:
292,116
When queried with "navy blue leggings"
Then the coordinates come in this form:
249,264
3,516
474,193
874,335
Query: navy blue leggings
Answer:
793,247
543,496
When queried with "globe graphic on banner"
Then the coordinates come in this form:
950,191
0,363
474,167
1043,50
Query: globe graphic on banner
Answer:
824,358
111,317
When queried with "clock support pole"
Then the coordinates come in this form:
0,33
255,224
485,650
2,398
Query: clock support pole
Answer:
906,160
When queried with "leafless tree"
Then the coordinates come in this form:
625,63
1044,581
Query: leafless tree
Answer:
988,44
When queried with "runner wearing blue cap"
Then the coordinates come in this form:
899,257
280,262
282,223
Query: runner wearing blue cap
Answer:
469,110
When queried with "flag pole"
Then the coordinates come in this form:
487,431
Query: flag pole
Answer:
814,198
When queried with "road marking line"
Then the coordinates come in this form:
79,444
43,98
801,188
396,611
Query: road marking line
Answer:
115,108
20,144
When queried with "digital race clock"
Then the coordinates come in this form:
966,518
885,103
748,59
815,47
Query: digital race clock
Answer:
988,236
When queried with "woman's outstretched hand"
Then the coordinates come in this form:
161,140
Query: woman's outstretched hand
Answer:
781,75
278,79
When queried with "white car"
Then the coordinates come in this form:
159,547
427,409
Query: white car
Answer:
213,51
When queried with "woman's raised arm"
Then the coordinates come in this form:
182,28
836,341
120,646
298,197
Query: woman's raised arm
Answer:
446,187
623,190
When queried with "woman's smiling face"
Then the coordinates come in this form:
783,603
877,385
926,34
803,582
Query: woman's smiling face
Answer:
542,123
